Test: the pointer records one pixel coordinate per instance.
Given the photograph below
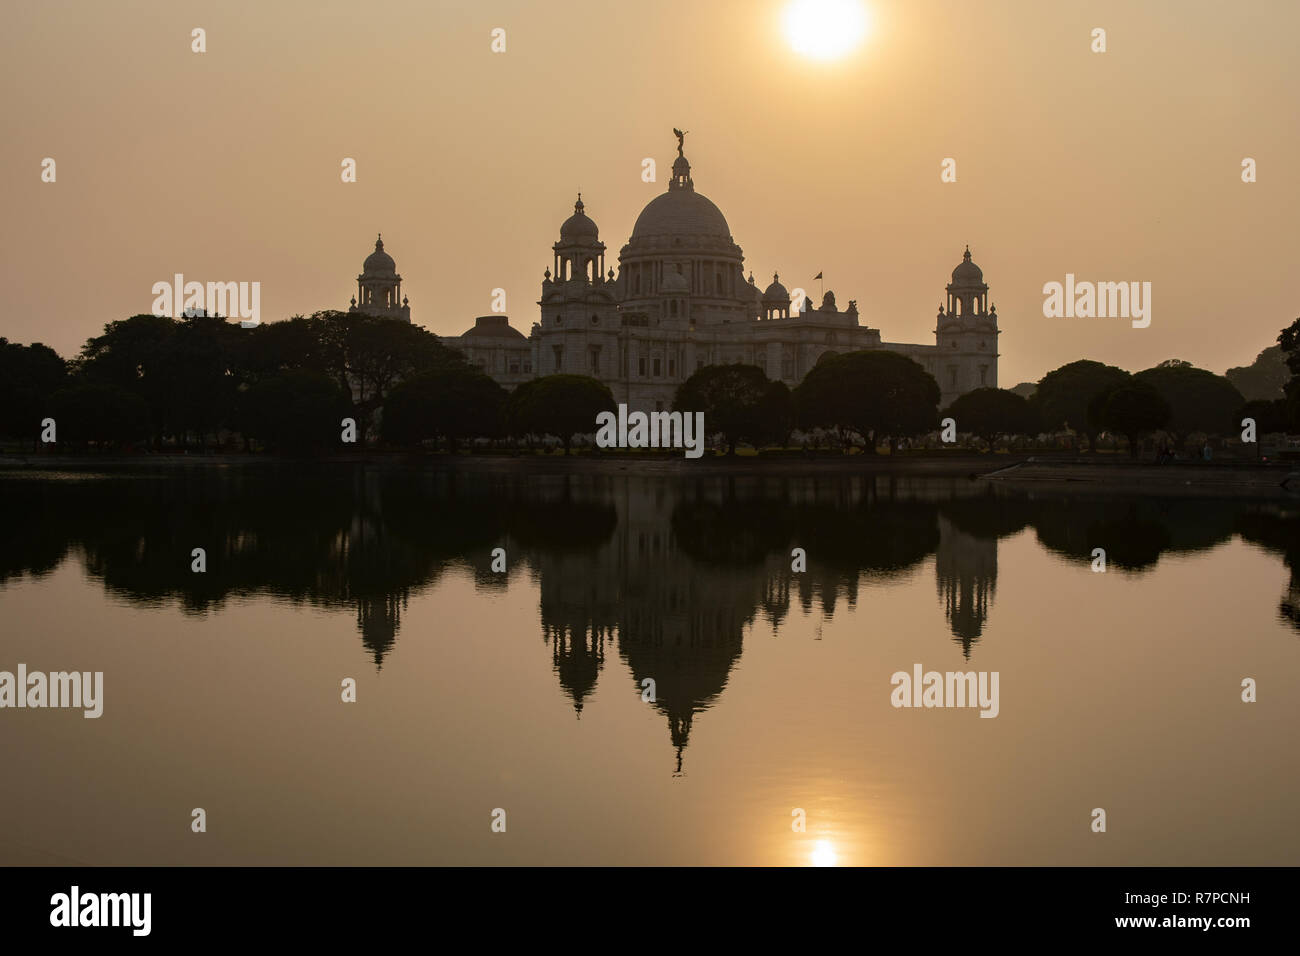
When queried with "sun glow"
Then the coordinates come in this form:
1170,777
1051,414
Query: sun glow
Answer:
824,854
825,29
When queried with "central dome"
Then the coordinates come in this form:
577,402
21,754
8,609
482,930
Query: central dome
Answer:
681,212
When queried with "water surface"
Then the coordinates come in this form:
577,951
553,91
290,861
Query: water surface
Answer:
523,690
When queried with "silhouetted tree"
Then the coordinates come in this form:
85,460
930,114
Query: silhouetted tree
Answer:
1199,400
368,355
296,411
1289,340
1265,378
776,414
879,394
1065,395
991,413
733,398
29,376
1135,410
559,405
130,354
105,414
294,344
1270,416
199,363
454,403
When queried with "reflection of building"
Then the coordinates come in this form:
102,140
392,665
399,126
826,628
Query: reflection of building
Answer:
677,623
378,619
681,301
678,607
966,572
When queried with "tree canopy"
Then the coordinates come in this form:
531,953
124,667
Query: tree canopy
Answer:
1066,395
559,405
454,403
1264,379
29,376
737,400
1135,410
876,393
992,413
1199,400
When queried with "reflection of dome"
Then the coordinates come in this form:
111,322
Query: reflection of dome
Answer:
776,292
681,212
578,226
675,283
379,262
968,273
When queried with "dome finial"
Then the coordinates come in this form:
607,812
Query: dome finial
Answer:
967,253
681,166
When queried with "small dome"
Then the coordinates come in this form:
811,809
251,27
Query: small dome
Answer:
379,262
776,292
578,226
493,326
967,273
675,282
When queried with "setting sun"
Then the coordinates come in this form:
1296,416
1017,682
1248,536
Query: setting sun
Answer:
825,29
824,854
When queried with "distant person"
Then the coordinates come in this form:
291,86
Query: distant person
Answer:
1206,453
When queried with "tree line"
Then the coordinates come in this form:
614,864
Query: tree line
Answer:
151,381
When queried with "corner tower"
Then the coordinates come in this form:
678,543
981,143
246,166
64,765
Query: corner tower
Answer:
966,334
379,287
578,331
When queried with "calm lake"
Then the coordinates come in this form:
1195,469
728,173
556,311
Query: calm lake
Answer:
524,690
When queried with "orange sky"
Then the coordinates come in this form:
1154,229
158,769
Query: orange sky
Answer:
1122,166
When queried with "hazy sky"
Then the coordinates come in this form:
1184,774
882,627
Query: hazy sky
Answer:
1122,166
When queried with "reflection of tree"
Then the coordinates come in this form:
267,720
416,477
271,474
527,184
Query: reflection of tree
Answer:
1134,532
989,514
37,532
1277,528
875,538
365,539
668,573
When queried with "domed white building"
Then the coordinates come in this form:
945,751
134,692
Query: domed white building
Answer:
681,301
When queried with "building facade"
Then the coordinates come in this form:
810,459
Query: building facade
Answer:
680,300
